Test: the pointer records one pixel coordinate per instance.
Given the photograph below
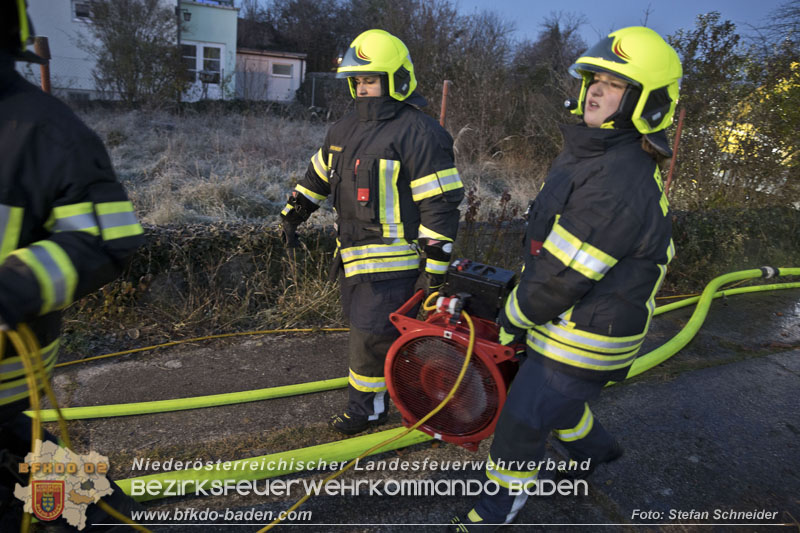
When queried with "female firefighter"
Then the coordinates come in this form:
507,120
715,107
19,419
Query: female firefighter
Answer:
66,228
597,245
395,188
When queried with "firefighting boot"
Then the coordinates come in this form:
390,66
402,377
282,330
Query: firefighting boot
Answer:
612,455
350,424
490,513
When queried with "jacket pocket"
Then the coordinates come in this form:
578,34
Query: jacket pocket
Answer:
365,191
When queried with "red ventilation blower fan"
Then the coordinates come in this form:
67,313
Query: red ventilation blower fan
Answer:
424,362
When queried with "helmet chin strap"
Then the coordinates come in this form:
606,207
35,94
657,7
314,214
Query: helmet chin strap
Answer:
623,117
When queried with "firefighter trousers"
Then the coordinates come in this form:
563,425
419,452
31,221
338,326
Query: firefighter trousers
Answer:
15,445
366,307
541,402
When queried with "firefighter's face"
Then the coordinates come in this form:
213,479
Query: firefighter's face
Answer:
367,86
602,98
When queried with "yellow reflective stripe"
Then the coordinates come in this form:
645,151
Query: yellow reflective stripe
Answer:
370,266
578,255
75,217
515,314
12,367
53,270
427,233
366,383
372,250
651,302
566,333
117,220
389,199
424,187
473,517
583,427
436,183
506,477
286,209
663,202
570,355
320,167
450,180
436,267
312,196
10,229
17,389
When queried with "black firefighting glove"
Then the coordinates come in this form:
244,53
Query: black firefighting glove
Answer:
289,234
428,282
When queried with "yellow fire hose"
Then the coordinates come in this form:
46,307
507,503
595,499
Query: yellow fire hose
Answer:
643,362
27,348
419,422
398,437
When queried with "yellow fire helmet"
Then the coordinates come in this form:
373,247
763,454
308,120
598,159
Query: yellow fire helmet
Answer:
651,67
377,52
17,30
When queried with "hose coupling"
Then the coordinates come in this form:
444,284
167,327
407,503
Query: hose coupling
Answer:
768,272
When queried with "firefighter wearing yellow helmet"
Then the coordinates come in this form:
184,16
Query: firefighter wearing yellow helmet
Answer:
66,228
596,250
389,170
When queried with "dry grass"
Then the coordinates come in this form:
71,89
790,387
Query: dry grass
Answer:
233,166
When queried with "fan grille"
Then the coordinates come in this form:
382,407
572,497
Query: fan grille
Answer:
423,372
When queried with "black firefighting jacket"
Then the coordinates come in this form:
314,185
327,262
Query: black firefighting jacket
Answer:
389,168
597,245
66,224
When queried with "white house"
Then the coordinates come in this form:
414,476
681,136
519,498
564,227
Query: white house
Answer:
268,74
63,22
208,39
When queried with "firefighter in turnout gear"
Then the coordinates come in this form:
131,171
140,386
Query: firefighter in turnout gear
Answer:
389,170
596,249
66,229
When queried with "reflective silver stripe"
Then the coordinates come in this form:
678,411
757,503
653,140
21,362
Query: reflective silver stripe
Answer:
427,187
380,266
349,254
436,267
601,362
320,167
14,366
114,220
75,223
389,192
452,179
392,231
578,255
506,477
515,313
581,430
378,385
13,391
609,344
54,273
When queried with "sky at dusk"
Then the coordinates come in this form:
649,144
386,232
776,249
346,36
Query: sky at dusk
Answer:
604,16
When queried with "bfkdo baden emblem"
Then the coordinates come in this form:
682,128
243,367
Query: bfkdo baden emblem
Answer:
48,499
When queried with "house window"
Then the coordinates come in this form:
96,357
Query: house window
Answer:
281,69
189,54
81,11
212,64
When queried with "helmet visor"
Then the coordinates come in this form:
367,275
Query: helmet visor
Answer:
577,68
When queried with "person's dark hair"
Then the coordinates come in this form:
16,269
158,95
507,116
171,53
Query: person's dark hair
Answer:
657,156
